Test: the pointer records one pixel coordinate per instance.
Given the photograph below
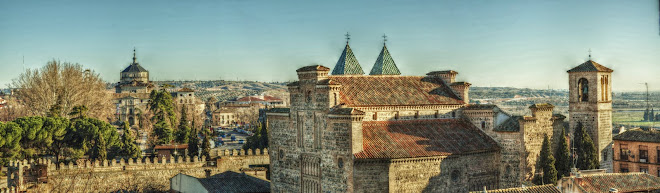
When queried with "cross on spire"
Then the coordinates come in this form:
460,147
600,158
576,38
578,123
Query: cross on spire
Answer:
134,58
384,39
589,53
348,37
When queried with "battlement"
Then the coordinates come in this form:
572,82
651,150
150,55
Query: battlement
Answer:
135,163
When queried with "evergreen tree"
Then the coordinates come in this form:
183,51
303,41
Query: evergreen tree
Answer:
563,163
546,164
206,146
587,155
130,148
163,132
99,151
193,144
162,106
183,131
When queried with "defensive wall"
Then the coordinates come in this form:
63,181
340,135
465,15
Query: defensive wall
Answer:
145,174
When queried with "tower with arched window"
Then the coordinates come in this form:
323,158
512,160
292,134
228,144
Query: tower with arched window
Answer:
590,103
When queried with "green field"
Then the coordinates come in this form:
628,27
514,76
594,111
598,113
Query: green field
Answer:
632,118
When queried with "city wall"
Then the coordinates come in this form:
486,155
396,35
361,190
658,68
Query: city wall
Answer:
144,174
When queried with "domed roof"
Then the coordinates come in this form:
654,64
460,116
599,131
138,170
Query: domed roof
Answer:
135,67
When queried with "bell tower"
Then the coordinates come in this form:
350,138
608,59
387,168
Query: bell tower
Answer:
590,103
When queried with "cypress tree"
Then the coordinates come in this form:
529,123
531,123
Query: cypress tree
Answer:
130,149
546,164
184,129
563,163
206,146
193,144
100,151
588,156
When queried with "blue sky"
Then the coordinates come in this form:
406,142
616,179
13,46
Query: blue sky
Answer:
490,43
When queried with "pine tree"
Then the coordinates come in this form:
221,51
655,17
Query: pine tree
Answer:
193,144
100,151
563,163
546,164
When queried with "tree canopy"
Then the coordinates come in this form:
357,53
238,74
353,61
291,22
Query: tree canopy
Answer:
586,150
58,87
546,164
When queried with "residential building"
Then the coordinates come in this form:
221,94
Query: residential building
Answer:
597,181
637,150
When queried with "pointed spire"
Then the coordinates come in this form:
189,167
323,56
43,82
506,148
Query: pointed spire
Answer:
134,58
347,63
384,63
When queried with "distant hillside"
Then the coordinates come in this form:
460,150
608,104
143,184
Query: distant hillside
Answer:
224,90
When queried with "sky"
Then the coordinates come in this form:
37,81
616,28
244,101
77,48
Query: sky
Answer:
526,44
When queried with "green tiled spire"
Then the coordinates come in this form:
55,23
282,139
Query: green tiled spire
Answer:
384,64
347,63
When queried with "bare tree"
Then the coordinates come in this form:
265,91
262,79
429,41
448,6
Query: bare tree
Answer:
60,86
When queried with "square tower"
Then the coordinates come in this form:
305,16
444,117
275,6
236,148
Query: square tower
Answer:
590,103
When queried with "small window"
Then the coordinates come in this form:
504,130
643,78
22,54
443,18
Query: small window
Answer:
340,163
455,175
483,124
189,94
281,154
453,114
375,116
308,96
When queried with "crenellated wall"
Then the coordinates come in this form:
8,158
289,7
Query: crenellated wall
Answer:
125,174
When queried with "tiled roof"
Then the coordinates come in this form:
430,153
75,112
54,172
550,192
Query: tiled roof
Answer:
384,64
135,67
279,110
313,68
480,107
347,63
232,182
441,72
542,105
623,182
590,66
422,138
549,188
186,89
639,135
345,111
327,82
179,146
394,90
257,98
130,95
510,125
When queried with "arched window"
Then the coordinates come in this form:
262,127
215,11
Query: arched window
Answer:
483,124
583,90
309,96
453,114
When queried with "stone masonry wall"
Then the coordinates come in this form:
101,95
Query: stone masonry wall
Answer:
131,175
461,173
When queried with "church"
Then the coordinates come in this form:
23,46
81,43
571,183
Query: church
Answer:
384,132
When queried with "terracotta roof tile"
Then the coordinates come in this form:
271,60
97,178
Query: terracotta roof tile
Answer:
433,73
313,68
510,125
549,188
345,111
422,138
186,89
590,66
623,182
394,90
639,135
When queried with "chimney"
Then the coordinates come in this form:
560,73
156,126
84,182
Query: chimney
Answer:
542,110
449,76
314,72
462,89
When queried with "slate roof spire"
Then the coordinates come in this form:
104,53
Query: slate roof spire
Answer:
347,63
384,63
